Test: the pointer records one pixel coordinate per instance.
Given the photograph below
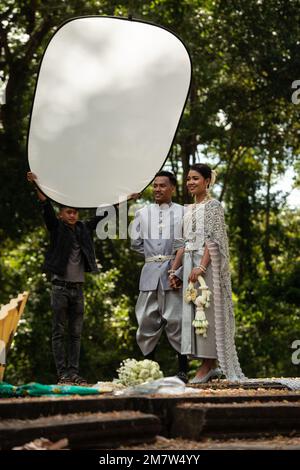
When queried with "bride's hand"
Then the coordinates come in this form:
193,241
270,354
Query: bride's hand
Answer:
193,277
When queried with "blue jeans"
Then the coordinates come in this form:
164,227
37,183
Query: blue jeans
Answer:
67,306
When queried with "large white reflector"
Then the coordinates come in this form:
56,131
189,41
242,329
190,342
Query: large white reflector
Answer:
108,100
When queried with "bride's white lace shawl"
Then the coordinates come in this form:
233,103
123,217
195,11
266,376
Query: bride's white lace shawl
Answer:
215,237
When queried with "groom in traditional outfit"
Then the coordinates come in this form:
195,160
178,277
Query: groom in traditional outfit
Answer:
159,307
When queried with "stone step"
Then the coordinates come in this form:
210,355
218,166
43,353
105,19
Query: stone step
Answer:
194,421
83,430
30,408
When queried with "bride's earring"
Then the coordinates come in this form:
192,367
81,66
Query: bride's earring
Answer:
208,191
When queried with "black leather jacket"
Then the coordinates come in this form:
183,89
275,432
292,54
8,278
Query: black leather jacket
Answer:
57,256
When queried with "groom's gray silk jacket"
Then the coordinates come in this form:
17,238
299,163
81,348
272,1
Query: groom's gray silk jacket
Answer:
152,234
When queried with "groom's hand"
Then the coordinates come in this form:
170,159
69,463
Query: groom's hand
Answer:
134,196
175,282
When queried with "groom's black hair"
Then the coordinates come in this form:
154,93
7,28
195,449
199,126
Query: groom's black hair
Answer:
169,175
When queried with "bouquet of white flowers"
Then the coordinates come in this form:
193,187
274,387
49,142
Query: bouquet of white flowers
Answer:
133,372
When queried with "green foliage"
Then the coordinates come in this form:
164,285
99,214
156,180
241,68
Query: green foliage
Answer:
267,328
108,333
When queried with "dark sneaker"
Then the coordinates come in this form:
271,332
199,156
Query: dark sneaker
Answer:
64,380
77,380
182,376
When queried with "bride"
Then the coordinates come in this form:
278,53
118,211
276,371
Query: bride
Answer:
203,251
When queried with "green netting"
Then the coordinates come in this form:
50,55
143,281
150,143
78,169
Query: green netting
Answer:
7,390
34,389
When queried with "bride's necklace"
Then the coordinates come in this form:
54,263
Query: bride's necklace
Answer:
207,198
195,209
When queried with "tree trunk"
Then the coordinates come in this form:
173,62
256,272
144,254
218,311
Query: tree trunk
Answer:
266,245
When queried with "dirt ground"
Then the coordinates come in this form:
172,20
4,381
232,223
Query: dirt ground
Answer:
275,443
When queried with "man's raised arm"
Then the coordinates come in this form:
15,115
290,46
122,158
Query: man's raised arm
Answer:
48,211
